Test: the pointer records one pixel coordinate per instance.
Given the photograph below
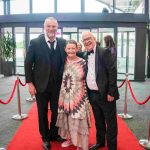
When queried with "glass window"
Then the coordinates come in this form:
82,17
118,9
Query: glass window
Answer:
8,29
35,32
74,6
19,6
149,9
20,49
95,33
43,6
103,32
130,6
69,29
1,8
97,6
4,32
126,52
70,33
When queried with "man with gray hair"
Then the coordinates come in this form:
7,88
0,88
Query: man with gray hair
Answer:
44,65
102,90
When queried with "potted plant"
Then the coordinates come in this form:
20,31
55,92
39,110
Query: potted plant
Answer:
7,53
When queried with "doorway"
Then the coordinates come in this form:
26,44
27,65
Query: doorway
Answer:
126,52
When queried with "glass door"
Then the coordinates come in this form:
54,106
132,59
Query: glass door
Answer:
103,32
34,32
70,33
20,49
126,52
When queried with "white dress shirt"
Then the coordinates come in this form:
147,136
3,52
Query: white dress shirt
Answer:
47,41
91,74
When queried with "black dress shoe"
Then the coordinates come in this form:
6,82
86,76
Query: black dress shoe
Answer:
96,146
58,139
46,145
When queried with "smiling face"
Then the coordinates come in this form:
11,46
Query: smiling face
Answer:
71,49
50,28
88,40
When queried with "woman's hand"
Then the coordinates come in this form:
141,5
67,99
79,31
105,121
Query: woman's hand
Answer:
31,89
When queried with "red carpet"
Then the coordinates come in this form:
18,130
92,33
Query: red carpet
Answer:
27,136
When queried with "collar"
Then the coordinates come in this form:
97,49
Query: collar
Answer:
94,49
47,39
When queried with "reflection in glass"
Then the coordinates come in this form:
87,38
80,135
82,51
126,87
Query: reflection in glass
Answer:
74,6
4,30
132,6
126,52
1,8
70,33
69,36
35,32
149,9
66,37
20,49
97,6
95,33
15,6
103,32
43,6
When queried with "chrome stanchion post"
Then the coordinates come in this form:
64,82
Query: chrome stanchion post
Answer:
19,116
125,115
146,143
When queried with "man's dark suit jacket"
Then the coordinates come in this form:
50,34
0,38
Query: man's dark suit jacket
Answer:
105,72
37,62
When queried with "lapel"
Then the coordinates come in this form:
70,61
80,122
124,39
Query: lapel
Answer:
44,44
96,61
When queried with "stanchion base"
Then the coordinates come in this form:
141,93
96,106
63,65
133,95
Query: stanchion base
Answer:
145,143
19,117
30,99
125,116
1,148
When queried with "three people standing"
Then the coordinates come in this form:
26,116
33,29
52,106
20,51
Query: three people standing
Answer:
44,67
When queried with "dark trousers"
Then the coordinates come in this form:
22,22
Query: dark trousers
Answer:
105,119
48,130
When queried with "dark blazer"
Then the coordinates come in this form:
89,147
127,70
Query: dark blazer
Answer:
105,72
37,62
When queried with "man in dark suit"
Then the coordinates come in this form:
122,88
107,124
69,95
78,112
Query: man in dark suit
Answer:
44,65
103,92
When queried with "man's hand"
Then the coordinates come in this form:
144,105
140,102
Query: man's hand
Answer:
31,89
110,98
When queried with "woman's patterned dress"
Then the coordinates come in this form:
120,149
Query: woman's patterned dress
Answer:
73,111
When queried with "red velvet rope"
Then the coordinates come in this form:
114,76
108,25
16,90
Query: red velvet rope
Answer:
133,96
121,84
23,84
12,94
